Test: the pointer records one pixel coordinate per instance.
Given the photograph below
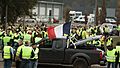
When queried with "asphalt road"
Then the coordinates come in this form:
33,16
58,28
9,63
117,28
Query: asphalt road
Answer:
13,66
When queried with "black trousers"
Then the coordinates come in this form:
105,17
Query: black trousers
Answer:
116,64
18,63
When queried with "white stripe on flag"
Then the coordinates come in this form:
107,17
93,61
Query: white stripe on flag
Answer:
59,31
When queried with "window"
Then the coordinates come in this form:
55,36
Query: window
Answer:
46,44
59,44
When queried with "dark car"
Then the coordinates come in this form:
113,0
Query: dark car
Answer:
56,52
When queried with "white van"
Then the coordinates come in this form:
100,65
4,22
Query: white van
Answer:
77,14
80,19
29,20
111,26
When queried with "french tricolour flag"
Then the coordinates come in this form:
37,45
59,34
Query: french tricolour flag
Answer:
58,31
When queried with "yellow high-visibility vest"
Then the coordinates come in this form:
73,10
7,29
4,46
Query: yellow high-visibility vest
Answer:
18,50
36,53
6,39
7,52
27,37
109,42
26,52
37,39
111,55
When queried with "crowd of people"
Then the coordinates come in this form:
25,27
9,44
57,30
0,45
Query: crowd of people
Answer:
19,43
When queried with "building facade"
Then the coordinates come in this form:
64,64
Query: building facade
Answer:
49,8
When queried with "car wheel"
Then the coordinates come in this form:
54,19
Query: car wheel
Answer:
80,63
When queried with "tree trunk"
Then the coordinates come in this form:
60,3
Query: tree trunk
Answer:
3,16
118,12
103,11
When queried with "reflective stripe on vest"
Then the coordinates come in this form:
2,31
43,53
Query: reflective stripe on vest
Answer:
7,52
26,52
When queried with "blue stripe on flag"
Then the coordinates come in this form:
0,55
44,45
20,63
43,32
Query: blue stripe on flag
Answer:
66,28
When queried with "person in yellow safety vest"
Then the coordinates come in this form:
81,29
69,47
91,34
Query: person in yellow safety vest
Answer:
44,33
106,30
80,33
16,37
84,34
117,53
11,33
6,39
34,60
27,37
102,40
109,41
37,39
97,43
8,54
34,33
95,29
111,56
92,33
21,34
17,58
26,53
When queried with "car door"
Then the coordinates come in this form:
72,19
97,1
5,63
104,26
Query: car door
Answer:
58,50
45,51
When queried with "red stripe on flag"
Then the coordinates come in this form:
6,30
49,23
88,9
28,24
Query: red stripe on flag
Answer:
51,33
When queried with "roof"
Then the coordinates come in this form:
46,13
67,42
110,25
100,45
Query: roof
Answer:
52,1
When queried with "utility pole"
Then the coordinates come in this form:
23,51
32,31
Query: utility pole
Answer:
118,12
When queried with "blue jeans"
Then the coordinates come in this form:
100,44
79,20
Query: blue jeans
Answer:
33,64
7,63
109,63
25,64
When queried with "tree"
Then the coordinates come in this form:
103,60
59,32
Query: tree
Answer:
118,12
15,8
103,11
66,13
